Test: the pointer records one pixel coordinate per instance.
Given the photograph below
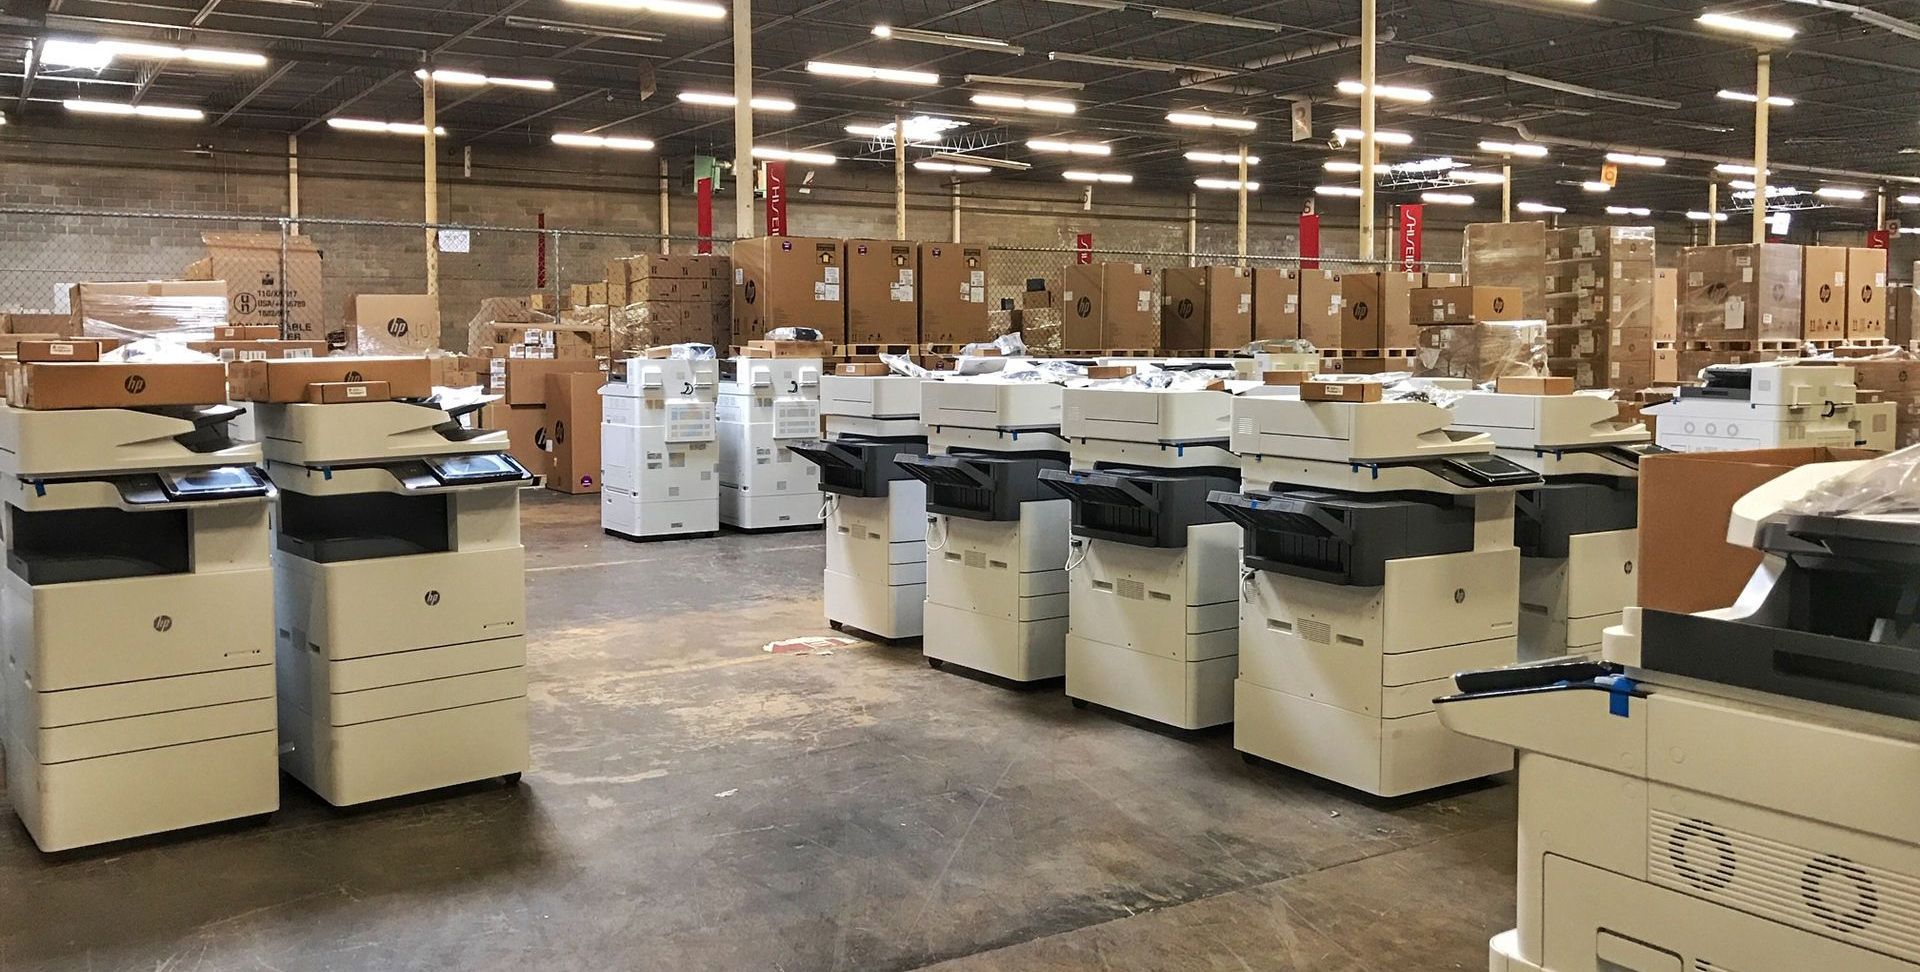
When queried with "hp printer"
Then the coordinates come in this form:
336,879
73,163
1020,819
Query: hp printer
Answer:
658,432
766,405
1786,404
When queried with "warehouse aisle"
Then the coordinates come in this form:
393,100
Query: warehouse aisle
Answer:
697,803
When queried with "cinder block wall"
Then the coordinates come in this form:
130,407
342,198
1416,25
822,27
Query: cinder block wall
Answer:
160,169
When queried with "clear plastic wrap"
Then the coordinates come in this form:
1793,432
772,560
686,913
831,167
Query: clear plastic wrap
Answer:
500,312
900,364
1482,352
156,350
456,399
795,334
1281,346
133,311
1887,485
692,352
1006,345
1404,387
1041,370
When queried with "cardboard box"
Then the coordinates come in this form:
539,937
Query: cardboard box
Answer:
1106,306
1666,306
580,295
548,303
247,332
1285,378
1276,304
1866,294
286,380
10,343
56,324
1823,308
1540,385
1038,298
1897,379
346,392
272,281
1203,308
1510,255
260,350
1321,297
1464,305
953,294
1481,352
1377,310
457,370
45,386
883,292
1686,498
528,438
573,420
1341,391
1666,366
538,340
394,323
1436,281
863,369
148,306
76,349
788,281
523,381
1743,292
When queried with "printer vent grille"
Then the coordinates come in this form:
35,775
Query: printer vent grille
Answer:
1131,589
1318,632
1816,891
976,558
1246,426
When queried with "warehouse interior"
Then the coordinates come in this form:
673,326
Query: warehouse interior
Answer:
972,485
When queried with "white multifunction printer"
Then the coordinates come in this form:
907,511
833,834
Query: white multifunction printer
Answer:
138,623
1380,561
400,585
659,449
1731,790
996,538
876,574
1783,405
766,405
1154,571
1578,533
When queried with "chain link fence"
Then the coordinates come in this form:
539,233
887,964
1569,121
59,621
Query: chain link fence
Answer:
44,252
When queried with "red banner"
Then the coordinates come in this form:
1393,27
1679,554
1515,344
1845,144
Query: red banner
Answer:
776,199
1309,241
1412,223
703,215
1083,245
1879,239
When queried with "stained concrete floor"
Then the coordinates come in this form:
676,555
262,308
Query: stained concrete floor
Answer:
696,803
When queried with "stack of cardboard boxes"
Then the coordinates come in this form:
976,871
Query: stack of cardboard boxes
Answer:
1666,327
1510,255
1276,303
271,280
1600,297
1475,333
789,281
1107,306
1206,309
658,299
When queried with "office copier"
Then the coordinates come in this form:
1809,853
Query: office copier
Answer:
1153,585
659,450
1578,532
1777,405
766,405
876,574
138,624
1380,561
1730,791
996,538
400,589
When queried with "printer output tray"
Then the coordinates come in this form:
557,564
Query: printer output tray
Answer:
1343,538
981,486
1143,507
858,467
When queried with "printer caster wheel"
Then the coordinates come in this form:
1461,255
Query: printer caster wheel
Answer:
510,780
836,625
1078,703
1250,759
936,663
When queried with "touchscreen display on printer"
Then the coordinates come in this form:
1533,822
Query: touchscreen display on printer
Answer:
457,468
204,482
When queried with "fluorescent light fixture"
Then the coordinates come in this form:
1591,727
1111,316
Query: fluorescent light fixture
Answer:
86,107
380,127
1747,25
861,72
1908,200
1536,81
1751,98
1596,187
1700,217
1836,192
1534,207
1746,184
1078,175
1388,91
1446,199
1201,119
1522,149
955,167
1909,230
1221,158
1342,167
783,155
1628,211
962,158
1426,166
1383,138
468,79
1231,184
1628,158
1214,19
98,55
944,39
1002,79
675,8
1069,148
1136,63
1045,106
713,100
1095,4
1733,168
1475,178
75,54
1349,191
603,142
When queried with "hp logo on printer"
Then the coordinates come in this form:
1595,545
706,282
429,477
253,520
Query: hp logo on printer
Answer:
135,384
433,598
397,327
163,624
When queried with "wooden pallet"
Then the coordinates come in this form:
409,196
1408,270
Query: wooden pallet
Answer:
952,349
1206,353
1111,353
873,350
1368,352
1742,346
784,349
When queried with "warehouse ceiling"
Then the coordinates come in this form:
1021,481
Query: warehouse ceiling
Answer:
1580,78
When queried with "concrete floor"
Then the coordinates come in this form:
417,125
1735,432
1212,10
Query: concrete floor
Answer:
696,803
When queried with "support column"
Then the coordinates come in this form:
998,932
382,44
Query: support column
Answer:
899,177
293,181
1242,228
1193,229
1763,87
743,117
1880,200
666,210
1369,154
1506,193
1713,213
431,118
956,211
